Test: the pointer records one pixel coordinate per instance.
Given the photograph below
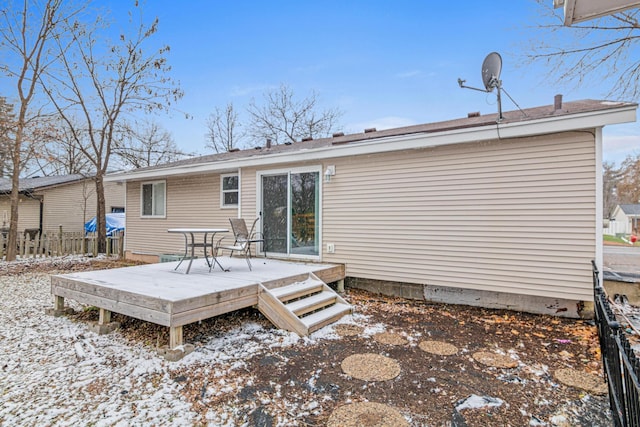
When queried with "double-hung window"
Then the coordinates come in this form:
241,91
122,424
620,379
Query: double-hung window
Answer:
229,190
153,199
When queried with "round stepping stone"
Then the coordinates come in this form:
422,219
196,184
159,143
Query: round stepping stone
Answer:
390,338
495,360
582,380
366,414
438,347
348,330
370,367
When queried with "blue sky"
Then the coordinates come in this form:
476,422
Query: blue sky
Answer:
383,63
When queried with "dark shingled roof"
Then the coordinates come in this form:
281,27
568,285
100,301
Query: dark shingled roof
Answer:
28,185
529,114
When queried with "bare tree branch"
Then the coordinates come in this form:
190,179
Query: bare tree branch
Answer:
146,144
224,132
283,118
605,49
98,90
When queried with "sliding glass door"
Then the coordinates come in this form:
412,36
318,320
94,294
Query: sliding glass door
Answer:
290,212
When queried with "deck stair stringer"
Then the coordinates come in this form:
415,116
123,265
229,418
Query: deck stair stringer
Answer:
302,307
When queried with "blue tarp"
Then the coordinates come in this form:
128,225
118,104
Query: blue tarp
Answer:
115,222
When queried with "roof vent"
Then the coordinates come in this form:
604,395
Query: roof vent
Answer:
337,134
369,130
258,147
557,102
287,143
234,149
307,138
474,114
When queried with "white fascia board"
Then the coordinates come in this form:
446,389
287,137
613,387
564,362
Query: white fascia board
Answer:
546,125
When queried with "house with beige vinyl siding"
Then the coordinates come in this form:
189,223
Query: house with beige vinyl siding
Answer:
48,203
474,210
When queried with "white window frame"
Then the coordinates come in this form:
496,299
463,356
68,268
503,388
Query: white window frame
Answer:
153,197
223,191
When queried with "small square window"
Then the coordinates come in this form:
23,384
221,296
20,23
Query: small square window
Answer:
153,198
230,191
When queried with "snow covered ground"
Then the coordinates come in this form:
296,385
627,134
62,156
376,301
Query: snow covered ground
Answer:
55,372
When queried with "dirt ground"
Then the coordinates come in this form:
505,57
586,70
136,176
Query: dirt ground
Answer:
454,388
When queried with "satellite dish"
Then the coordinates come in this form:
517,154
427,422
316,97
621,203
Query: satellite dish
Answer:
491,68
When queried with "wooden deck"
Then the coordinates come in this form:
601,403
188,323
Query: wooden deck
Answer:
159,294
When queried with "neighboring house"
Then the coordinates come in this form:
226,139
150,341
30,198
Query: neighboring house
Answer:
473,211
46,203
624,220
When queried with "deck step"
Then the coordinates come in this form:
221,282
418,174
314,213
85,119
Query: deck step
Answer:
302,307
314,302
297,290
324,317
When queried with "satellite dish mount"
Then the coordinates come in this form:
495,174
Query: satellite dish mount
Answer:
491,68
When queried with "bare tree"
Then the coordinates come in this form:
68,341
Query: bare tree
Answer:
59,155
102,85
224,132
146,144
7,119
628,187
27,30
601,49
611,176
283,118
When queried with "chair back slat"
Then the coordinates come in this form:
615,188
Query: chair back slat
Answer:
239,228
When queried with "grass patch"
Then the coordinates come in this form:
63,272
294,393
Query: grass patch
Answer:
614,239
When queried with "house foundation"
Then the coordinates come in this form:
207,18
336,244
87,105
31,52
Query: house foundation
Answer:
487,299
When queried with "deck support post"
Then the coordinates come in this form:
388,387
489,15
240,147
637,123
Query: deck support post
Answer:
105,317
104,324
58,307
176,349
340,286
175,337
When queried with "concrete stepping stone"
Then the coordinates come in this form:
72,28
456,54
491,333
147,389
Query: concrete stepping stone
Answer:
439,348
390,338
366,414
495,360
582,380
348,330
370,367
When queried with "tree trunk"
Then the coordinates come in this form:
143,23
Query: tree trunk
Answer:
12,240
101,223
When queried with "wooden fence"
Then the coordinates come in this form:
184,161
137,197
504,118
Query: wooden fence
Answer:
58,243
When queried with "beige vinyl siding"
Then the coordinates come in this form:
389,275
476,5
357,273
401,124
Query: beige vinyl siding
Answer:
28,213
249,210
71,205
192,201
508,216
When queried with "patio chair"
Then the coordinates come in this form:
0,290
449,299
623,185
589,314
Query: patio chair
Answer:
243,241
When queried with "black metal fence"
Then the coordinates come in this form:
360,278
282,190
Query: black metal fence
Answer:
621,366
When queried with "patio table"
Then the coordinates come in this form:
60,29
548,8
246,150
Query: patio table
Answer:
191,243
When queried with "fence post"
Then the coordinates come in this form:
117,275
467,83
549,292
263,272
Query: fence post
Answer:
60,250
121,246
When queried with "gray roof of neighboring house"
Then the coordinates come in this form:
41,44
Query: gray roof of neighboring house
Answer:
28,185
631,209
339,139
